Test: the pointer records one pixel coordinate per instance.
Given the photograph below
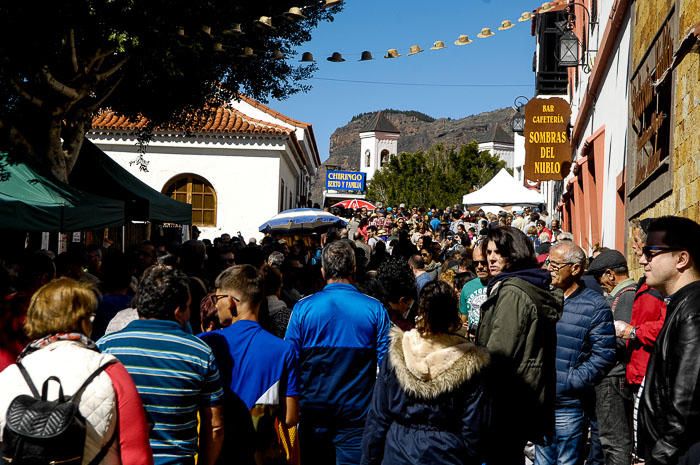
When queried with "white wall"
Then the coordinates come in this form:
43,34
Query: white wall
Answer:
376,142
502,151
245,176
611,110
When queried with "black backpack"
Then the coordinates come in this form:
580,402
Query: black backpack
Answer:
42,432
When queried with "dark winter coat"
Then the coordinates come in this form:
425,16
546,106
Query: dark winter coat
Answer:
585,346
669,411
518,328
429,405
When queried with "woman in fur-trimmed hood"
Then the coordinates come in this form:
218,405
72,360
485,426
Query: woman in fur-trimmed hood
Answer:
429,404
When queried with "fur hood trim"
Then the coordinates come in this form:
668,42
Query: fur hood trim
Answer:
428,366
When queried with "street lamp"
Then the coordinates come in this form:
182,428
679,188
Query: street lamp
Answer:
518,121
568,42
568,49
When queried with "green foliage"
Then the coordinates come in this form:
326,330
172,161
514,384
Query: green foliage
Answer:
62,60
438,177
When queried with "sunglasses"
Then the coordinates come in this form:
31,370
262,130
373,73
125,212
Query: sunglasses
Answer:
480,262
651,251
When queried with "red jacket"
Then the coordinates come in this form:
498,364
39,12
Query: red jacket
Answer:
648,314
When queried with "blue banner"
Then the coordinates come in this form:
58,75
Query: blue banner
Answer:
345,180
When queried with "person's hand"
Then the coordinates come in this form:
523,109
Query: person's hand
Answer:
622,329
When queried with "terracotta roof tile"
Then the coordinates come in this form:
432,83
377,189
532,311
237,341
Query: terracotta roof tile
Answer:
218,120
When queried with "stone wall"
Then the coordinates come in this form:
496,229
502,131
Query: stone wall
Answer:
684,200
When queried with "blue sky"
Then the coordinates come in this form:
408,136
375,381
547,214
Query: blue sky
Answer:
504,61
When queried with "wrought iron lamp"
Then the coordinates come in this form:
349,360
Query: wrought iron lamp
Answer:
518,121
568,53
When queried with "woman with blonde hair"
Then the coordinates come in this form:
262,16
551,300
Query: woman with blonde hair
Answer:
61,361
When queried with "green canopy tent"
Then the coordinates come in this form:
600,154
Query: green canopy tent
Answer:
30,201
97,173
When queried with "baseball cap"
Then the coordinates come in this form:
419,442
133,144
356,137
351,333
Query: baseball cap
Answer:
606,260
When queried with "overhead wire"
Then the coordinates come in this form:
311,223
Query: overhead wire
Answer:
416,84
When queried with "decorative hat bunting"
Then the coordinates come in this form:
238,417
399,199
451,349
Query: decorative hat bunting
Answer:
294,13
265,23
336,57
415,49
463,40
485,32
505,25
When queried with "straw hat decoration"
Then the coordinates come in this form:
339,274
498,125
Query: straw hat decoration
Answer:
234,30
294,13
336,57
546,6
526,16
264,22
206,30
247,52
277,55
366,56
414,50
438,45
331,3
505,25
218,47
463,40
485,32
392,53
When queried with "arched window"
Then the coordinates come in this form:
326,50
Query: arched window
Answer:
367,158
384,159
198,192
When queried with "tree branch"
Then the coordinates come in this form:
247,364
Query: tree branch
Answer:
98,58
73,50
107,74
99,103
36,101
59,87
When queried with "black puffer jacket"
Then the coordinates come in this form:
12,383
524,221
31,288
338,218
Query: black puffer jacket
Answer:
429,405
670,406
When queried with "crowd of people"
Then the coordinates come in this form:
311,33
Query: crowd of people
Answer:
410,336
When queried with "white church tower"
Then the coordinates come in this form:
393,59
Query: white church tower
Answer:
378,143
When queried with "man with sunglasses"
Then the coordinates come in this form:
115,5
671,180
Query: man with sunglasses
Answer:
670,405
474,292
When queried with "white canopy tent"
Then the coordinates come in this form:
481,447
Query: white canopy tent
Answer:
503,190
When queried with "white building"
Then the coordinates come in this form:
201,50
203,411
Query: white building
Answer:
499,143
378,143
237,165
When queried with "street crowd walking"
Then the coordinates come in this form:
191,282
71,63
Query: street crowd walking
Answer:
411,336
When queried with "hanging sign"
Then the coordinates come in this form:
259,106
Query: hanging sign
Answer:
345,180
547,144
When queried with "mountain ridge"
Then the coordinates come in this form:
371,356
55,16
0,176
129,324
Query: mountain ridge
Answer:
419,131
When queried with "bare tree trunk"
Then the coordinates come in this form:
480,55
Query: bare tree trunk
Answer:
55,153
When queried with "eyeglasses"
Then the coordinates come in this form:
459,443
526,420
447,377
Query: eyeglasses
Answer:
425,254
556,266
215,298
651,251
480,262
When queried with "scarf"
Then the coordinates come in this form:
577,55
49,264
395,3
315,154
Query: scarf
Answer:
51,338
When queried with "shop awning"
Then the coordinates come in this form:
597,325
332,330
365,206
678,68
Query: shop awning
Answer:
97,173
30,201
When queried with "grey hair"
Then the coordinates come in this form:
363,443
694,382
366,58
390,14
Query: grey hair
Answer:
565,236
572,252
338,260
